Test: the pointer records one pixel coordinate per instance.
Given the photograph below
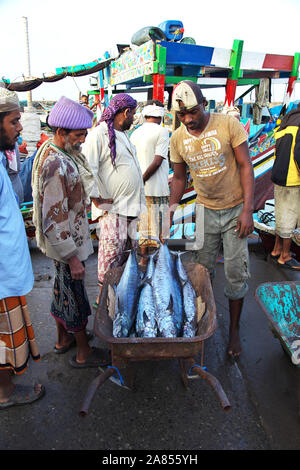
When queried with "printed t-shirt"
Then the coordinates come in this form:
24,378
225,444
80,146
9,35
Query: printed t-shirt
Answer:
211,160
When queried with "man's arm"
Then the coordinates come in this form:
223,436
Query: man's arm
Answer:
157,161
176,192
161,152
245,222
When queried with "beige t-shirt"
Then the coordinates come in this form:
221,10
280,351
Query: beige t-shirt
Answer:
211,160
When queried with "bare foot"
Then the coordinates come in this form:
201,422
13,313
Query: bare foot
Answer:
234,346
65,342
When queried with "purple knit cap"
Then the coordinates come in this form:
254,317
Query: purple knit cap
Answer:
118,102
69,114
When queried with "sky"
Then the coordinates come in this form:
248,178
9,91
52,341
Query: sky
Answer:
70,32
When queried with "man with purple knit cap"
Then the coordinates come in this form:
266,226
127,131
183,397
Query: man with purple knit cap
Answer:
112,158
62,182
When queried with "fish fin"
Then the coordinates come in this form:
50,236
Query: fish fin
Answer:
171,304
178,253
145,317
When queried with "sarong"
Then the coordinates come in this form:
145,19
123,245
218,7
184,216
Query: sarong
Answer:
70,304
17,339
116,235
150,225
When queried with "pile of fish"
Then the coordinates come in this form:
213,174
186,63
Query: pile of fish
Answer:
159,303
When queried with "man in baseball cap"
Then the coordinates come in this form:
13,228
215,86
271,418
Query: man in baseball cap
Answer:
214,147
62,182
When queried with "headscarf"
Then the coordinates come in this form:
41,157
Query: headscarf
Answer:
118,102
153,111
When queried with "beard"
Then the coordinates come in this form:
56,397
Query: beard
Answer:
73,150
127,124
5,142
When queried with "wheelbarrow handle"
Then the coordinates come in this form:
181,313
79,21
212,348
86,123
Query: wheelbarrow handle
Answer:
214,383
95,384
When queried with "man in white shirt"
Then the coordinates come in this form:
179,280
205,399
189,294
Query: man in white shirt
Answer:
152,143
112,158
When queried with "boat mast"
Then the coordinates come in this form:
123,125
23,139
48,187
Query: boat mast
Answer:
28,71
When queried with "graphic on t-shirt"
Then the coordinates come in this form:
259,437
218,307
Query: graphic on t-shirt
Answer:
208,160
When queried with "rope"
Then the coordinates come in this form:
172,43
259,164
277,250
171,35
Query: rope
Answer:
196,365
120,376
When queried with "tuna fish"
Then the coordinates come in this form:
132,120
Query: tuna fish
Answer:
189,300
127,292
146,326
167,295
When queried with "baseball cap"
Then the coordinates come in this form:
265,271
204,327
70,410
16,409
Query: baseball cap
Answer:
189,93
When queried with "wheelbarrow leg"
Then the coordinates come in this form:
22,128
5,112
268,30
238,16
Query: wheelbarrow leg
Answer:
183,372
92,390
214,383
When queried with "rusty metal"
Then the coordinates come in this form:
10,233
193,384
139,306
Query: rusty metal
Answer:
92,390
126,350
213,382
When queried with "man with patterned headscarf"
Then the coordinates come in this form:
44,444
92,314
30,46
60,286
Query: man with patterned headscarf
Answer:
62,182
17,340
112,158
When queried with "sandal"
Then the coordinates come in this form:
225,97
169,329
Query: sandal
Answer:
23,395
290,264
98,358
274,257
72,344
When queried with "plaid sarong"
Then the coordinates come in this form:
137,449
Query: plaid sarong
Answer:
17,339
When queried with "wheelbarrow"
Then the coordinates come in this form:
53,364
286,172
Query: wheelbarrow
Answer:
280,301
124,351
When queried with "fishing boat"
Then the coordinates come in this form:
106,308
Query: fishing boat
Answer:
157,65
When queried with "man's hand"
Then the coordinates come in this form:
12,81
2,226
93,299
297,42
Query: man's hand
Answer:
76,267
166,226
101,203
245,224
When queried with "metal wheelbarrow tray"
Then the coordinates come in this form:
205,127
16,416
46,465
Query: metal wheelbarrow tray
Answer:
126,350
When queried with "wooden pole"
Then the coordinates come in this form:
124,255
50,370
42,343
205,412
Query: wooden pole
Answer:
232,80
293,78
27,55
159,73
